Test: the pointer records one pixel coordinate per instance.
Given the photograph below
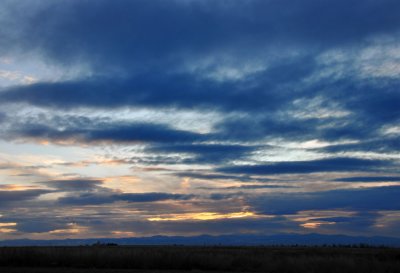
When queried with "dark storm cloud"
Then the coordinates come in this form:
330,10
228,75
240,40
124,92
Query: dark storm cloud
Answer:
98,199
217,176
257,186
184,30
369,179
251,127
40,225
3,117
145,32
339,164
74,184
260,94
7,196
210,176
207,153
224,226
381,98
38,221
142,132
154,196
359,222
360,219
97,131
263,103
384,144
151,160
373,103
358,199
163,88
164,141
143,62
219,226
194,226
154,89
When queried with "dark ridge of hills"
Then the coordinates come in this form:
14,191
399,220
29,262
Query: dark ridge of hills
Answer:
312,239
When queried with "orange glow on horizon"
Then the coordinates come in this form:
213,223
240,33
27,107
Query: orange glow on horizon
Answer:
7,227
203,216
7,230
313,225
122,234
71,229
13,187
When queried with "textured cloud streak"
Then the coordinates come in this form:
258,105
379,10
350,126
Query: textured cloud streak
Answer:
322,165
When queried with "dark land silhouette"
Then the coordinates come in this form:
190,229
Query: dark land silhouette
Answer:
174,258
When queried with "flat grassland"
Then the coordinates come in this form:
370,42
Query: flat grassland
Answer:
119,259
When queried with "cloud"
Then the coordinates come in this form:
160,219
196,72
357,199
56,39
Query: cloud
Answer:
338,164
154,197
371,102
260,107
358,199
207,153
75,185
387,104
355,223
253,127
154,89
224,226
369,179
279,88
383,145
40,226
212,176
203,175
8,196
186,27
98,131
98,199
3,117
258,186
188,34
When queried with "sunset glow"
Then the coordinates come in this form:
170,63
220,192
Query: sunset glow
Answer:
203,216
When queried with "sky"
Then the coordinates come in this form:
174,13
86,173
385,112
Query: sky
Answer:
188,117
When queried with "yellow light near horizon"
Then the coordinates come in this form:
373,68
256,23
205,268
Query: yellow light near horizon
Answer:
63,231
2,225
70,229
7,227
124,233
13,187
203,216
7,230
314,225
310,225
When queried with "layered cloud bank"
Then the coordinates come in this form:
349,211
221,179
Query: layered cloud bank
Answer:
189,117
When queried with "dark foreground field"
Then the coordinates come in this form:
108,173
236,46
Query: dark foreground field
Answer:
183,258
